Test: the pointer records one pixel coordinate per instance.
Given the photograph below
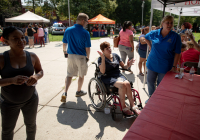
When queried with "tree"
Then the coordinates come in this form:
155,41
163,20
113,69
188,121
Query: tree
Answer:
10,8
130,10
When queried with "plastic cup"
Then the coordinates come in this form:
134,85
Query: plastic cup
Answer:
107,110
181,70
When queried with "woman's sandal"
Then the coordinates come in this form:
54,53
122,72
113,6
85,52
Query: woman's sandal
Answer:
136,110
127,112
141,74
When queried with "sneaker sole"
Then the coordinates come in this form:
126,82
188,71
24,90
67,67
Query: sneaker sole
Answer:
63,99
80,95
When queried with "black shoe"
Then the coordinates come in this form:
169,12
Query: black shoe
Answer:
80,93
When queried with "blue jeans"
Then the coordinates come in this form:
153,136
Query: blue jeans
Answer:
151,79
45,37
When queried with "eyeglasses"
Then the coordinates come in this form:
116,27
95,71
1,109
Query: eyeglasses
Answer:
86,21
168,22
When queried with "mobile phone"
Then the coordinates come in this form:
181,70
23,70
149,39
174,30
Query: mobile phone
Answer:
66,55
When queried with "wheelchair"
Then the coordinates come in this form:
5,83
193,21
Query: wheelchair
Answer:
101,94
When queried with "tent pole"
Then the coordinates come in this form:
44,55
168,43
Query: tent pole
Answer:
151,19
99,30
179,20
164,8
69,12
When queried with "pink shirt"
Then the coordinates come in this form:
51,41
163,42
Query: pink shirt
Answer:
124,37
40,32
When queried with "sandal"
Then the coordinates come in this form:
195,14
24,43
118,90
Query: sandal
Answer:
136,110
127,112
141,74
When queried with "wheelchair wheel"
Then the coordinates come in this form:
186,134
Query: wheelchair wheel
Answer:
97,94
113,113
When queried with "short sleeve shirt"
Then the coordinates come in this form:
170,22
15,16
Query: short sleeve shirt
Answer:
112,67
142,46
124,37
161,57
77,39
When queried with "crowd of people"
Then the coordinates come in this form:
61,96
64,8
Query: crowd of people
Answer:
34,34
20,70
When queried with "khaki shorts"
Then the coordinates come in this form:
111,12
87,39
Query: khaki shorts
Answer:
76,65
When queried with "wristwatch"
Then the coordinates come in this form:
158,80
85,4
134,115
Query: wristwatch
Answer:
174,66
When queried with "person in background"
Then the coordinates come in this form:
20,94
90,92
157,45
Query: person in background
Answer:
36,40
142,50
165,52
183,38
153,27
126,46
185,26
183,49
41,35
111,32
78,41
25,34
20,70
191,55
29,32
1,31
45,34
134,31
106,32
199,42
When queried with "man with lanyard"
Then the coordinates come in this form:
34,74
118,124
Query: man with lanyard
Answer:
78,41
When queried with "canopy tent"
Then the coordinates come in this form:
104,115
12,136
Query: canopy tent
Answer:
175,7
100,19
27,17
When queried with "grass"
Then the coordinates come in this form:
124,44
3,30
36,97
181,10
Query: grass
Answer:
60,37
197,36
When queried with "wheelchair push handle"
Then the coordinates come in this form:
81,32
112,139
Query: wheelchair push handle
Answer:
98,70
123,69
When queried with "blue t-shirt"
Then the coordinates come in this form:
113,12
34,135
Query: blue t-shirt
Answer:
77,39
142,46
161,57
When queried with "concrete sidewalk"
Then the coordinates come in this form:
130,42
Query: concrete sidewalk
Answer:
76,119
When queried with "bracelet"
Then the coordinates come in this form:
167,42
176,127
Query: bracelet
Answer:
64,51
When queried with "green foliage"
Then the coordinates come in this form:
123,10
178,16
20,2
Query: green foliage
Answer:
10,8
131,10
91,7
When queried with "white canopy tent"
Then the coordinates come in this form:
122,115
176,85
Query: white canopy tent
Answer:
27,18
185,8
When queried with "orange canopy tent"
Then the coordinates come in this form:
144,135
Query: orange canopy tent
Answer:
100,19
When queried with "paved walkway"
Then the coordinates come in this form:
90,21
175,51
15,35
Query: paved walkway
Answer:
76,119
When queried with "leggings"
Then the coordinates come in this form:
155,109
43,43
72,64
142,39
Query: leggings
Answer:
41,39
10,113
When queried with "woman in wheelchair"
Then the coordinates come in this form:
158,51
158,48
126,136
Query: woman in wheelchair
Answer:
109,65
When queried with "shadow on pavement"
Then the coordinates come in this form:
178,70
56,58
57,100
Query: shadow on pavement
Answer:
130,77
76,118
105,120
59,45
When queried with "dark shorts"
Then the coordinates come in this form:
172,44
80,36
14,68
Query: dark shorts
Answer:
142,53
113,80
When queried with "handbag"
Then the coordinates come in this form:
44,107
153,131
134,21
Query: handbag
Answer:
116,40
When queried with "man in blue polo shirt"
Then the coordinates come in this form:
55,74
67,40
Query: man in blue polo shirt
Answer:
78,41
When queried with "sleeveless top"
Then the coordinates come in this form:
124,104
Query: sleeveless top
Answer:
30,32
142,46
17,93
